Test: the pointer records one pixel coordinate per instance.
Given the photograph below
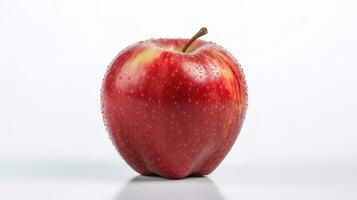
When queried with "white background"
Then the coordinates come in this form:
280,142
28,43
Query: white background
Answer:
299,140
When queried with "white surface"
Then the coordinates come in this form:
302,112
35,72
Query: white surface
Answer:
299,138
99,179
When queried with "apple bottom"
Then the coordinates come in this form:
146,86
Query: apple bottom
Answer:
174,142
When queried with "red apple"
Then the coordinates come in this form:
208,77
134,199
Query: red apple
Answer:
174,107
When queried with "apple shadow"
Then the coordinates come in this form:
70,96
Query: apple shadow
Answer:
147,187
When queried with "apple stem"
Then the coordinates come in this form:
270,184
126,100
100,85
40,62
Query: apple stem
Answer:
202,31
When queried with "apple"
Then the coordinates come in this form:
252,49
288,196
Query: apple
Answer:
174,107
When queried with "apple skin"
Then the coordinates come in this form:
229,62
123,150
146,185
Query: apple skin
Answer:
170,113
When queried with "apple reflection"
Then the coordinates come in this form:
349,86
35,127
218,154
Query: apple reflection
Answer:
144,187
